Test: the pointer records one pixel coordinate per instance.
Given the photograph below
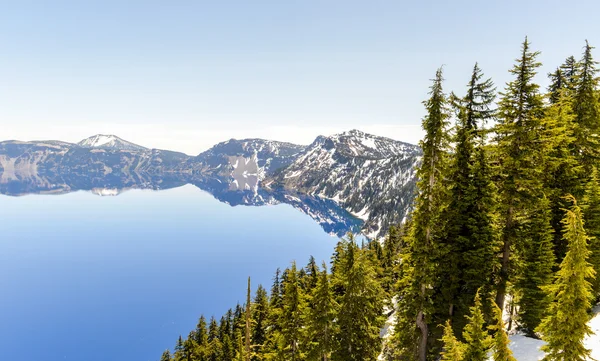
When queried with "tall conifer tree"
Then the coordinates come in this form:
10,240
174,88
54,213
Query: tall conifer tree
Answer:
418,258
565,327
518,155
591,211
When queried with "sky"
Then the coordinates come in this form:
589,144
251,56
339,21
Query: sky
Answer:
184,75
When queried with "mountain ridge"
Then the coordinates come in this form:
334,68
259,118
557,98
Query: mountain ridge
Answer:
370,176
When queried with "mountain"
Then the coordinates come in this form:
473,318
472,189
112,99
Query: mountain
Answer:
367,176
372,177
112,142
245,162
24,159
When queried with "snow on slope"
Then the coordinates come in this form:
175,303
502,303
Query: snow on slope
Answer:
370,176
109,142
528,349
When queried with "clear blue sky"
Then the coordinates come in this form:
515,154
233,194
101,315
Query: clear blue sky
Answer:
186,74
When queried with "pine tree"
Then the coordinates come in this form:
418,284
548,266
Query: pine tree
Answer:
214,343
469,247
418,258
360,318
565,327
321,319
536,260
591,211
587,110
312,275
570,72
294,304
562,170
453,348
557,86
247,326
166,356
260,315
477,339
501,352
518,155
201,339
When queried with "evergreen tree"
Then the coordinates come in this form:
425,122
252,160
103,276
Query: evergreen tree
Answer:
260,316
570,72
214,342
469,248
518,155
201,339
360,318
562,171
557,86
453,348
418,270
294,303
565,327
166,356
536,260
321,320
591,211
312,275
587,110
247,328
501,352
476,337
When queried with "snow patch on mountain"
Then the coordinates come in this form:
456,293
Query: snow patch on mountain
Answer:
110,142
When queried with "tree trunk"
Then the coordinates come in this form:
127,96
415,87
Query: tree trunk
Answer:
424,334
500,295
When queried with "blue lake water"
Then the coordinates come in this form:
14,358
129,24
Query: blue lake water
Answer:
91,278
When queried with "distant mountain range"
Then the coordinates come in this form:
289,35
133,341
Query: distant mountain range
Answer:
370,178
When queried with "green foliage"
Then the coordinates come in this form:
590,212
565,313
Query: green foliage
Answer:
565,327
591,211
477,339
453,348
321,328
360,318
536,260
587,109
500,350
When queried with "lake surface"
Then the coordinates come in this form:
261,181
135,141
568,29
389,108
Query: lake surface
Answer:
92,278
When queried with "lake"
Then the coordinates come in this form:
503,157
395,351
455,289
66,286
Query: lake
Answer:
92,278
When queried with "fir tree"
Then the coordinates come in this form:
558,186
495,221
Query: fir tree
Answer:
469,247
518,155
570,72
321,319
260,316
536,260
565,327
557,86
591,211
418,259
477,339
501,352
453,348
166,356
562,170
247,327
360,318
294,303
587,110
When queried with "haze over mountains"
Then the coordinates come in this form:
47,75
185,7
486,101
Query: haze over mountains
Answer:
369,177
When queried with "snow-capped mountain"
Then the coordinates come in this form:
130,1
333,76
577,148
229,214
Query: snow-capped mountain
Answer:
251,157
372,177
109,141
